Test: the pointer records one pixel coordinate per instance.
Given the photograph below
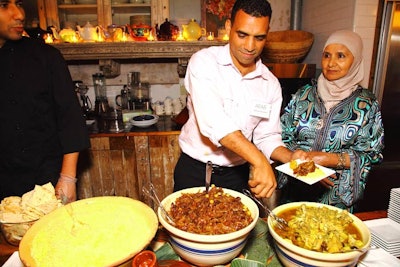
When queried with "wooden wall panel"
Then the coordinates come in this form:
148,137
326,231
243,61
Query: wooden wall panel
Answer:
122,165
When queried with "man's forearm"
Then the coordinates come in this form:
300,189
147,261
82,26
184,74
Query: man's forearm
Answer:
239,144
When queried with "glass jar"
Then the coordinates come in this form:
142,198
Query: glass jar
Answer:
100,89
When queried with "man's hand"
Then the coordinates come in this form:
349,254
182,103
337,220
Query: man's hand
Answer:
66,189
263,182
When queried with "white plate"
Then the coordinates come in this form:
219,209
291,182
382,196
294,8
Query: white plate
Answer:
311,178
385,229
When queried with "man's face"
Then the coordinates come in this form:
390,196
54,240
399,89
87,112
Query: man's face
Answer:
12,18
247,37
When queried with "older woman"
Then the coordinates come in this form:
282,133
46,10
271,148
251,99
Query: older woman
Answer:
339,123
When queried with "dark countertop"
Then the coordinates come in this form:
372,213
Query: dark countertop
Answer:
165,125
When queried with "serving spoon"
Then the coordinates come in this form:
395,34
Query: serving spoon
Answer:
280,222
370,247
151,192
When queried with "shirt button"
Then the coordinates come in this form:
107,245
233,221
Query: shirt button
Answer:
13,101
11,76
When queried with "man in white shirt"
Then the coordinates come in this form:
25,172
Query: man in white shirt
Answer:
234,105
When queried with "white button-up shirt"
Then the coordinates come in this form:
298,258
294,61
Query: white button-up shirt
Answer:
221,101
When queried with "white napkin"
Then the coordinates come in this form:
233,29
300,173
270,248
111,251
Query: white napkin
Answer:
14,261
378,258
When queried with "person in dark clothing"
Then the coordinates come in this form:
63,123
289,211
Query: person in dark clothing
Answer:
43,129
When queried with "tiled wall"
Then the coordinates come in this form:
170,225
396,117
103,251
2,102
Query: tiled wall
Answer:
364,24
322,17
280,15
162,76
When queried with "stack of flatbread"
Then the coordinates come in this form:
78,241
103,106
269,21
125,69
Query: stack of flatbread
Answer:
18,214
31,206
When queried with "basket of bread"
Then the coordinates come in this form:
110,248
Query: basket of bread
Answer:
18,214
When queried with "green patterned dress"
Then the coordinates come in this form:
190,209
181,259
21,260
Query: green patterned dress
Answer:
353,126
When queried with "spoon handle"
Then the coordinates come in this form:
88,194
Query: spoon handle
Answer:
151,192
208,175
280,221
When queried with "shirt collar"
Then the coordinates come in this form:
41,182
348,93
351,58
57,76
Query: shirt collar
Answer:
225,59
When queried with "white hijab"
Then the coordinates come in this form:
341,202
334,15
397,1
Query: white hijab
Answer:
332,92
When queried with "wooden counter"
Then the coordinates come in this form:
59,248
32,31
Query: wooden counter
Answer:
120,164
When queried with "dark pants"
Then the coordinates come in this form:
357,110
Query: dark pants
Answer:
191,173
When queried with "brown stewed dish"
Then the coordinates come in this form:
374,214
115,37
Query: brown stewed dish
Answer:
212,213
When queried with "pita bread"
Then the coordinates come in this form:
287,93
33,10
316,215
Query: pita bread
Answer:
31,206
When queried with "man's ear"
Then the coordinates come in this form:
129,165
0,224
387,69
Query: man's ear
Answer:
228,26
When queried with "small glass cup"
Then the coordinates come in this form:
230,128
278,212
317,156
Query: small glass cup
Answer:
210,36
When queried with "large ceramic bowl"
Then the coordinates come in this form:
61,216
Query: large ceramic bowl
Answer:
99,231
208,250
292,255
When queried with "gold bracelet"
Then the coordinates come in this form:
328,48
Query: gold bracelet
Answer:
341,161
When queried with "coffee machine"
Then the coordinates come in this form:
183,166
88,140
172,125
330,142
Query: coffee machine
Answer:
140,93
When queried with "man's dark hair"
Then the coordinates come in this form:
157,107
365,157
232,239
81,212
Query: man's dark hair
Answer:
255,8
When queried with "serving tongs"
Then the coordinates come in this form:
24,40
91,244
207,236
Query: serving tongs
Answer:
151,192
280,222
67,204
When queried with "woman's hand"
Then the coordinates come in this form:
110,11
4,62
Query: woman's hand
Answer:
300,154
327,183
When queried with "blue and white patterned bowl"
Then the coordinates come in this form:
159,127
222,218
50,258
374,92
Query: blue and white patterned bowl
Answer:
208,250
294,256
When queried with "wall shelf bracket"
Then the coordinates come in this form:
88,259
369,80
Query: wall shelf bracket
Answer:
110,68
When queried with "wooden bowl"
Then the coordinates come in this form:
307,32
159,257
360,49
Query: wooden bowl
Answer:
95,232
289,46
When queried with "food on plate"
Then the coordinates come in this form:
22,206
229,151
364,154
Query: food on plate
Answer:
304,168
17,214
212,213
320,229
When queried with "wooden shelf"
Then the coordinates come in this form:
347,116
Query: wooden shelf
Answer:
130,50
94,6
